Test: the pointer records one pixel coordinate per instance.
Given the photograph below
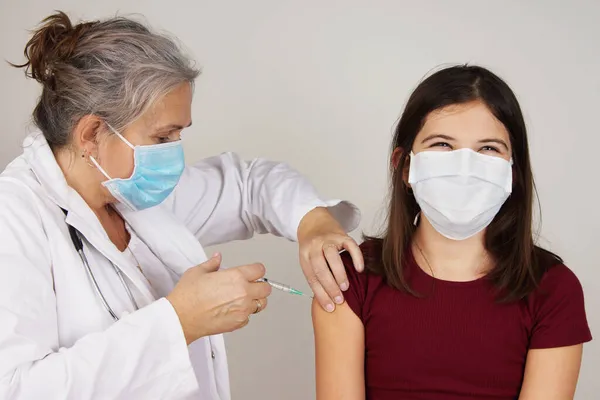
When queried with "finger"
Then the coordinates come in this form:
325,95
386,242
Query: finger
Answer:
259,305
213,264
245,322
263,304
325,277
319,294
322,297
357,257
259,290
252,272
332,255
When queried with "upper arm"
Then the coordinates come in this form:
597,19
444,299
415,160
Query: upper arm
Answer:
225,198
551,374
556,344
339,353
209,200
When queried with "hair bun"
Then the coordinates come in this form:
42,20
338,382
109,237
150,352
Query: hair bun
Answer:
52,43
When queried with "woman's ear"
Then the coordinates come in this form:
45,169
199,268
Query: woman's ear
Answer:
86,134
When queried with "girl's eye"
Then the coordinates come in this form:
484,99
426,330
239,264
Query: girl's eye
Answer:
441,144
490,148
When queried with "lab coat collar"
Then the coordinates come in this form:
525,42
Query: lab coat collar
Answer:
170,240
40,158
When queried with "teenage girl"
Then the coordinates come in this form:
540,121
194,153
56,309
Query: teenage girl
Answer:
457,300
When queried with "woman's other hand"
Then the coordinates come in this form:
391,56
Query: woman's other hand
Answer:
208,301
321,238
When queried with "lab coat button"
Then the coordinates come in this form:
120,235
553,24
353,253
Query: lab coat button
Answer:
212,354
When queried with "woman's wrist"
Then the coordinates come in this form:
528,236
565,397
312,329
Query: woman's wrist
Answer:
182,317
318,219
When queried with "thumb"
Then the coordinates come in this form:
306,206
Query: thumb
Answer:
213,264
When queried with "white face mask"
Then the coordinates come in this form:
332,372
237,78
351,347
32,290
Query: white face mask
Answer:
460,191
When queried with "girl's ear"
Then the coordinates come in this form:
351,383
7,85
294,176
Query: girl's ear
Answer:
396,157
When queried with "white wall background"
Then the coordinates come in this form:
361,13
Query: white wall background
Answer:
320,84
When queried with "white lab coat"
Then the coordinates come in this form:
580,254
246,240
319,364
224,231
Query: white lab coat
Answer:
56,339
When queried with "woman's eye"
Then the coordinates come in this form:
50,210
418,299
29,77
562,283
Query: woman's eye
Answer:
164,139
171,136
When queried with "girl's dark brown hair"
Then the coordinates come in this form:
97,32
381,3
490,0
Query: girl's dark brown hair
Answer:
519,263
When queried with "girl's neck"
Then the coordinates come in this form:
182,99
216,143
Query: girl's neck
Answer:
447,259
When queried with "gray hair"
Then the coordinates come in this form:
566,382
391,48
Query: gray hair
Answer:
115,69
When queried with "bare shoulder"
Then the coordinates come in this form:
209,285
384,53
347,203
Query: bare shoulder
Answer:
340,329
339,353
341,316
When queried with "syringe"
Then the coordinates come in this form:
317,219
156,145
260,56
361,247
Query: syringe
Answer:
283,287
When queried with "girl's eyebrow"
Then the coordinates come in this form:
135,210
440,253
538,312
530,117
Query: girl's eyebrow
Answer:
437,136
499,141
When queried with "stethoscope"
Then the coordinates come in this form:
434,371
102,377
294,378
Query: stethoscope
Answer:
78,244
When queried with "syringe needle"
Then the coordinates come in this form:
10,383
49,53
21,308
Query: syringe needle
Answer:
283,287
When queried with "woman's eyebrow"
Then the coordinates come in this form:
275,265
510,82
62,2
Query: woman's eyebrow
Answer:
437,136
172,127
499,141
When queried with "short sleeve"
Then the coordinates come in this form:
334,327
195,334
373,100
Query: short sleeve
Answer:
357,290
559,311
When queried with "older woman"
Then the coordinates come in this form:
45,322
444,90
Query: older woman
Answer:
105,290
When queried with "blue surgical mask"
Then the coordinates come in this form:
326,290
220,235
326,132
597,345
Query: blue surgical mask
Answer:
157,169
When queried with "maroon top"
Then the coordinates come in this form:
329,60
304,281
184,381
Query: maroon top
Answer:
456,342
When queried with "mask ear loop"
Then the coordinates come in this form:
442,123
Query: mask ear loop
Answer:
120,136
409,190
93,160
